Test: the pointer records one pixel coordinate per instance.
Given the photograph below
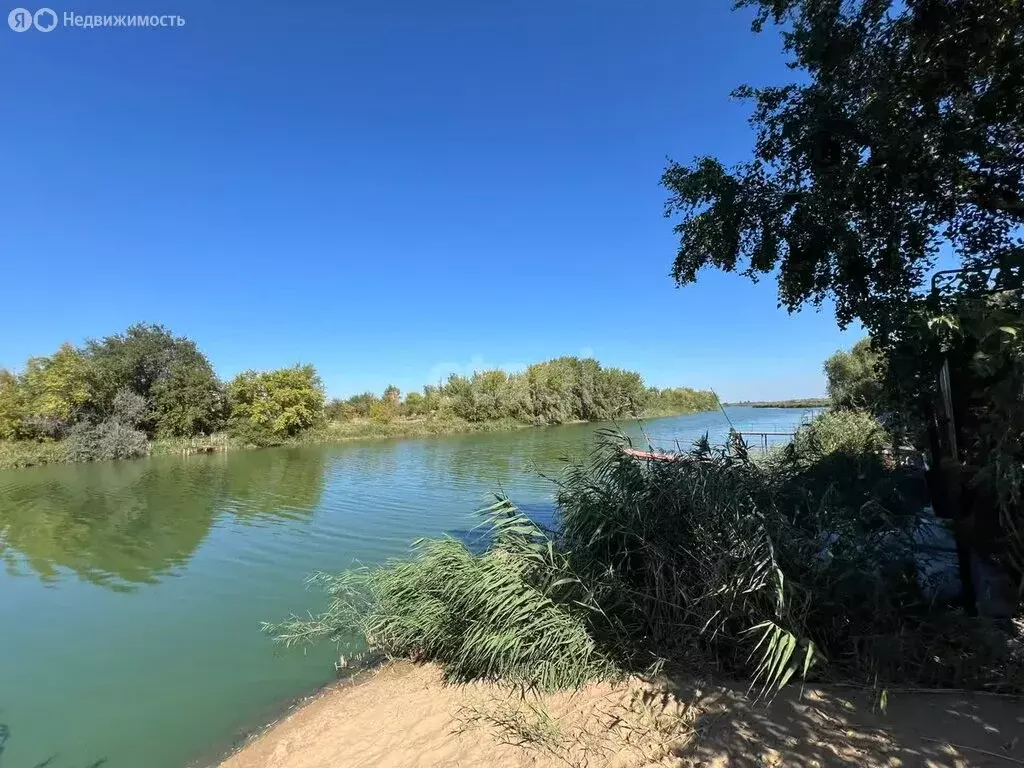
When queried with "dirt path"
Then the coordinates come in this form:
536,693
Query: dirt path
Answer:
403,716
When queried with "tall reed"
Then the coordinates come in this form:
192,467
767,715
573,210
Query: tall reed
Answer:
770,569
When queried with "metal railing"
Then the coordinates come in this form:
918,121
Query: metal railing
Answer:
903,456
762,438
763,441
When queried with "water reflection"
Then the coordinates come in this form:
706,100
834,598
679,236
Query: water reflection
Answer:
49,762
275,483
499,461
122,524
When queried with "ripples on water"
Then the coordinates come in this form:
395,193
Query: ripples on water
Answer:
133,591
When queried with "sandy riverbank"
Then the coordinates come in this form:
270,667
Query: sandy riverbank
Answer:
402,715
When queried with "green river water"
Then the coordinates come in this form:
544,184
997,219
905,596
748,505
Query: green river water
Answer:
132,592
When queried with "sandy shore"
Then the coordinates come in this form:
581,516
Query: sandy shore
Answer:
402,715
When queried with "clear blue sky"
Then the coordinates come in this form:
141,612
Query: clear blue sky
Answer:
389,190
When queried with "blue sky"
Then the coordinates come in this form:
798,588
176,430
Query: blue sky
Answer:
390,190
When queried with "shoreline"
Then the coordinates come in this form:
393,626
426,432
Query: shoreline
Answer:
401,713
25,454
245,736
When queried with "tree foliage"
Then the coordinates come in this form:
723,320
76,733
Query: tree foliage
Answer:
56,389
415,404
392,395
851,432
12,406
168,370
981,340
129,409
189,400
135,359
170,390
383,411
356,406
554,392
110,397
106,441
559,391
855,377
682,400
276,404
905,134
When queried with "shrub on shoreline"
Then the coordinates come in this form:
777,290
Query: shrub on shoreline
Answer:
514,613
841,431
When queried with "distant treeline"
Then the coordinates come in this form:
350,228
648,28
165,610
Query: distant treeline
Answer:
555,392
809,402
111,397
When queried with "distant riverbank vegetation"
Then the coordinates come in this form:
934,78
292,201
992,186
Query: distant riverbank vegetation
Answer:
807,402
560,391
148,391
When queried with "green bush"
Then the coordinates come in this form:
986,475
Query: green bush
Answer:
514,613
105,441
415,404
116,437
247,434
383,411
855,377
167,373
82,443
120,441
12,406
841,431
129,409
336,410
272,405
360,405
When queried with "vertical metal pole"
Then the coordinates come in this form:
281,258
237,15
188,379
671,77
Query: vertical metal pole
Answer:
946,388
951,476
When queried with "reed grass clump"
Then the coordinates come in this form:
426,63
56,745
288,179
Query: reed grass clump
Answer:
774,570
514,613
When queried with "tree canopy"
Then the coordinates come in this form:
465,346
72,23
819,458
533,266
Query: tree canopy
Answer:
854,377
12,409
113,394
903,136
141,359
189,400
276,404
55,389
111,397
557,391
